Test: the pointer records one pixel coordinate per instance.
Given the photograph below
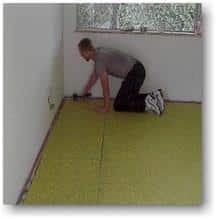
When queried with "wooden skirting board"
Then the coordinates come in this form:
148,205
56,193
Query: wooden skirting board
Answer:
166,100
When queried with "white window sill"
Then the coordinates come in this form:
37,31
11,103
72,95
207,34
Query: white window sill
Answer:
138,32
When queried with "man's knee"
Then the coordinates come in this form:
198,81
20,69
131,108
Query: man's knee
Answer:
120,106
117,106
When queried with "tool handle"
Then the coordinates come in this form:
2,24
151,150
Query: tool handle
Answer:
76,96
88,95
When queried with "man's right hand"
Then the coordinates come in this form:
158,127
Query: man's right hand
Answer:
85,94
92,80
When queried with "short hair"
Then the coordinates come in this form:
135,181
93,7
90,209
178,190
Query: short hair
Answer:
85,44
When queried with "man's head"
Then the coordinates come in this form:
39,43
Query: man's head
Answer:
86,49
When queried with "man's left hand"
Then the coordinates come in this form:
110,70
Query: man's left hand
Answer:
102,109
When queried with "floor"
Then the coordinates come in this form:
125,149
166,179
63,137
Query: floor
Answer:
121,158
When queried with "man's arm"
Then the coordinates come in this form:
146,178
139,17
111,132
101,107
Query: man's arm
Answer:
92,80
106,92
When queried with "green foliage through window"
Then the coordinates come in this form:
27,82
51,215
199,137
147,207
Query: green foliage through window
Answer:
156,17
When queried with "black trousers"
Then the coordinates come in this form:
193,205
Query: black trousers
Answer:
128,98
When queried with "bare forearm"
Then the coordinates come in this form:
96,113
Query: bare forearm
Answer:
106,99
92,80
106,92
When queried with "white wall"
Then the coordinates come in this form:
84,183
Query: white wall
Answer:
33,69
173,63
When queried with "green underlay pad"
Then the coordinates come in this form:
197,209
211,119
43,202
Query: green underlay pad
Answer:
121,158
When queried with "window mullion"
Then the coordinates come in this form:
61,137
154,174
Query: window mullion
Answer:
115,8
162,24
94,16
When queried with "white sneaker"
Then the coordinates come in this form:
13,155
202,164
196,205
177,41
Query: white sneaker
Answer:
151,105
158,95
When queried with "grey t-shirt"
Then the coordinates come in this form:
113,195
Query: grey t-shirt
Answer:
114,62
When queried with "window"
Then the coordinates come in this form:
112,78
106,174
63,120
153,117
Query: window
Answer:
158,18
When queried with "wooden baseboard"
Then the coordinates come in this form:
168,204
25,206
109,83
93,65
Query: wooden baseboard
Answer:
183,101
38,158
166,100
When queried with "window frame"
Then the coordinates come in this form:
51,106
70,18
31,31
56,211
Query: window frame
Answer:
147,32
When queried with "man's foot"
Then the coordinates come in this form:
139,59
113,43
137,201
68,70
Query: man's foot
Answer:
151,105
158,95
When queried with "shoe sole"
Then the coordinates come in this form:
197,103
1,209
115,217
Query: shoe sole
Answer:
162,105
153,106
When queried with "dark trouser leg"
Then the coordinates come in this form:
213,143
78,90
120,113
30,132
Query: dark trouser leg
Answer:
128,98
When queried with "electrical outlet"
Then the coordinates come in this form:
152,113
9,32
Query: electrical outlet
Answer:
51,105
